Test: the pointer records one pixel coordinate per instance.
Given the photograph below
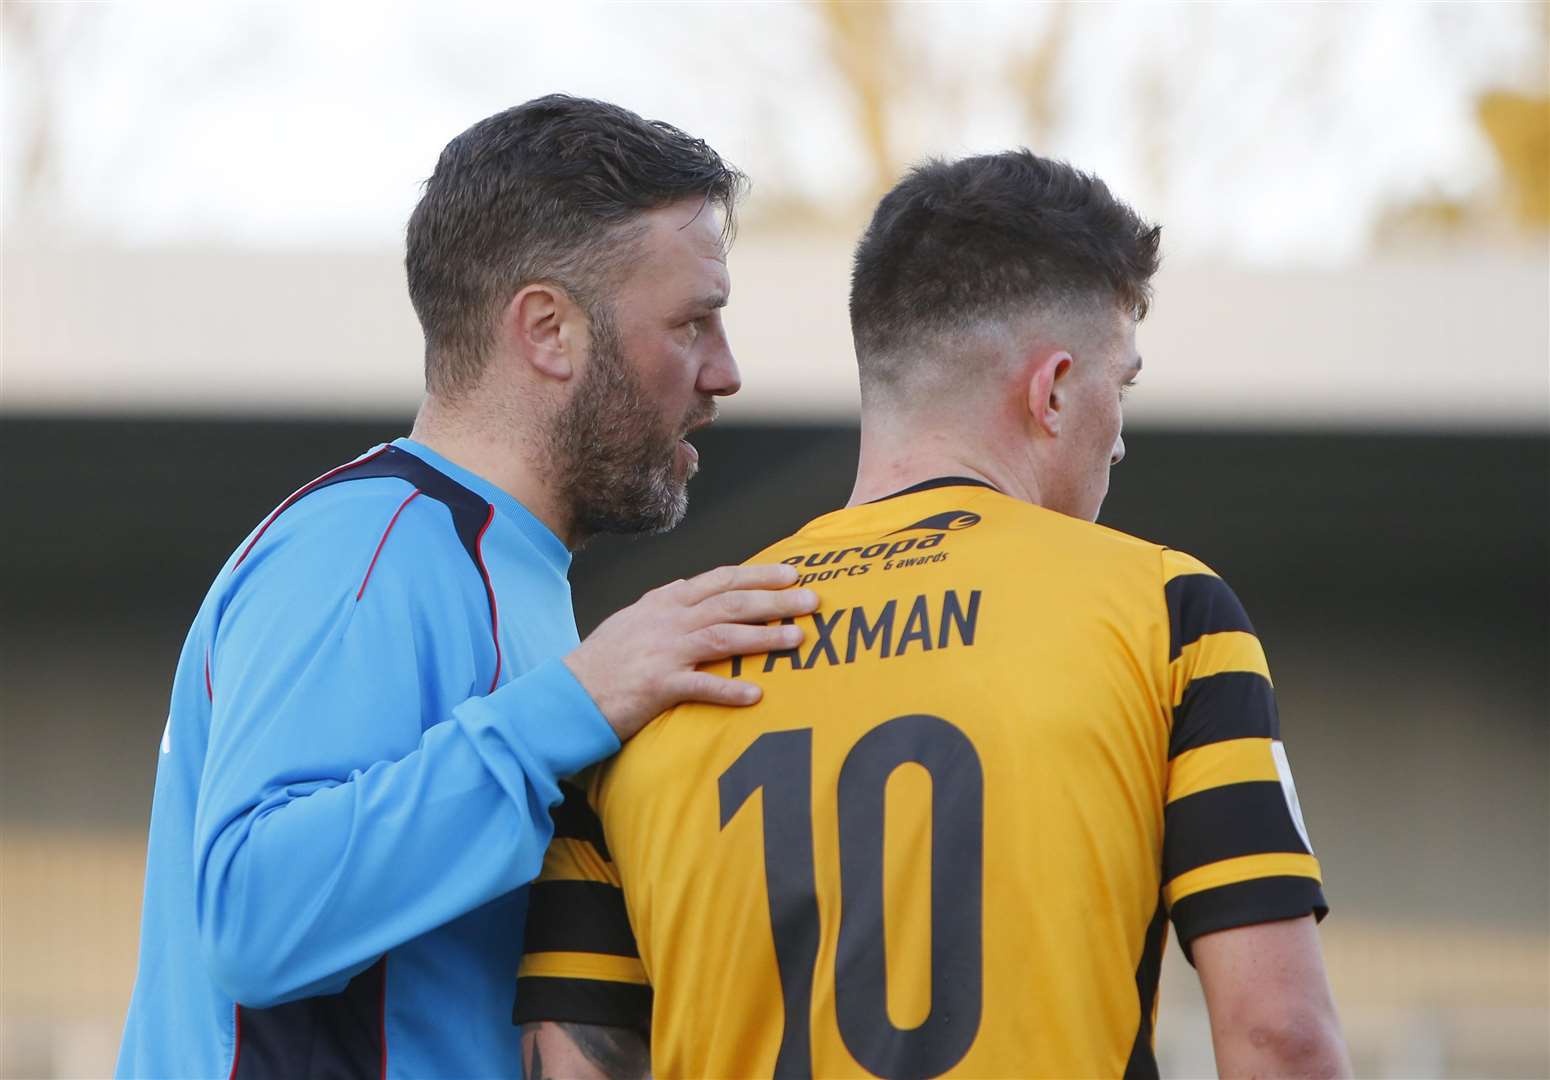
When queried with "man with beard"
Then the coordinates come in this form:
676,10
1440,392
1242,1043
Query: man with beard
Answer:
384,685
950,839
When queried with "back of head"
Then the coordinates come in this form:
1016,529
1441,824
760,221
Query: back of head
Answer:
981,245
551,191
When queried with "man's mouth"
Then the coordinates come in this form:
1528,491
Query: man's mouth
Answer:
697,424
693,426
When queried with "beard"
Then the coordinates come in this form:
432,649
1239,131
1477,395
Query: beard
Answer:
616,459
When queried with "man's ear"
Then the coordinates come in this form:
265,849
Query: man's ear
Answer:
1047,376
546,329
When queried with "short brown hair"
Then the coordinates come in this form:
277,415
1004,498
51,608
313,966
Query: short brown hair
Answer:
990,237
545,191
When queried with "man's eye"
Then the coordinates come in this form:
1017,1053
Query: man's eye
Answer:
1125,389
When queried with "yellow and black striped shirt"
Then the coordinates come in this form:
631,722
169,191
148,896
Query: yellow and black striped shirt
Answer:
946,840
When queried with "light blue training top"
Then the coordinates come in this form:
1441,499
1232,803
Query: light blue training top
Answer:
367,727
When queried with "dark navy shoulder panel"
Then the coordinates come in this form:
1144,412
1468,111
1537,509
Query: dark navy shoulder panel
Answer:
470,513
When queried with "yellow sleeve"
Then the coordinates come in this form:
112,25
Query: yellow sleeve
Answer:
580,962
1235,850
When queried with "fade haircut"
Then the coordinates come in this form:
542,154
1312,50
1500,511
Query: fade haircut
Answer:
989,239
547,191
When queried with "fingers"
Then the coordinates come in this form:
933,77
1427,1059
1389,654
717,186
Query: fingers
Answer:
643,659
734,639
757,605
715,690
727,578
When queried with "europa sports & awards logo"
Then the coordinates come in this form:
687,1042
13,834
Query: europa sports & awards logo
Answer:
858,560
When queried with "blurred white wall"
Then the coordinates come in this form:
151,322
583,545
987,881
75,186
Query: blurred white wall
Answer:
1452,340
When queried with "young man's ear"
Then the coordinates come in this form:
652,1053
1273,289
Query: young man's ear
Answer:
545,328
1047,389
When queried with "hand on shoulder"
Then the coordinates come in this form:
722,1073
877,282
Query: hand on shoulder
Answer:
645,658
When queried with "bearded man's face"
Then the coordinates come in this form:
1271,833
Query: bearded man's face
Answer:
658,358
623,462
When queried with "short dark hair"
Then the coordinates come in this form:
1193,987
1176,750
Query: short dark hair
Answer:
987,237
544,191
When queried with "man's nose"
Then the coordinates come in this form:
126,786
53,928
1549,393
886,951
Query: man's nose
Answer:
1117,455
720,376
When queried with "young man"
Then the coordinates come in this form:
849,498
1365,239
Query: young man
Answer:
948,841
384,684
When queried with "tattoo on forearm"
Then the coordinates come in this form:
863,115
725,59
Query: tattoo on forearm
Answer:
618,1052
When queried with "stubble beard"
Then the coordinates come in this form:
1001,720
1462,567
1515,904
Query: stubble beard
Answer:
617,463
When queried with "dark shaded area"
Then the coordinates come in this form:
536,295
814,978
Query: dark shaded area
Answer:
1401,583
135,516
335,1035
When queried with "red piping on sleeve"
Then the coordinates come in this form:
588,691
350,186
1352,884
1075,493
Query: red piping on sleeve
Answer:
489,588
236,1050
209,690
393,521
298,493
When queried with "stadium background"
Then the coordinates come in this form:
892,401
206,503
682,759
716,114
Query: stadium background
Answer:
1346,405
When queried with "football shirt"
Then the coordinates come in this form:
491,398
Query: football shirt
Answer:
367,726
946,840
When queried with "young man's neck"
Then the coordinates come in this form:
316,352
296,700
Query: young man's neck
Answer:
471,444
895,457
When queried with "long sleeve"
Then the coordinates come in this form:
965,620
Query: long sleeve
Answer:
338,816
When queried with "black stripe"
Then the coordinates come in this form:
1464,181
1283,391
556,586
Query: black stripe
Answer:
1225,822
583,1001
333,1036
1245,903
1143,1062
1229,705
1200,604
938,482
575,819
578,916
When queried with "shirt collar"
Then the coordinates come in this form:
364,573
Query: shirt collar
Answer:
938,482
550,546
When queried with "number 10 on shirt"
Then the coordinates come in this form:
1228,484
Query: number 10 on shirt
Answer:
780,762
